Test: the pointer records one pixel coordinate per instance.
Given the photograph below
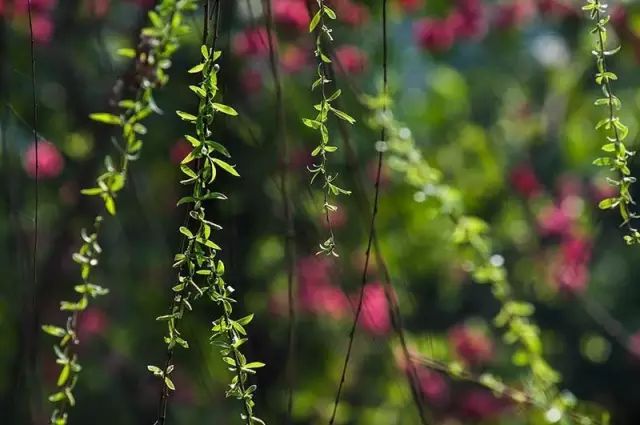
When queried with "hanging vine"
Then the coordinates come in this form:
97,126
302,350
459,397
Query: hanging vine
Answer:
319,123
617,159
200,272
158,42
471,235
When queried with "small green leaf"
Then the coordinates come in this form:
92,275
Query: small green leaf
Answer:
225,109
226,167
106,118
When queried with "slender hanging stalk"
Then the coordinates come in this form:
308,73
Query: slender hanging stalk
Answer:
394,309
319,123
200,273
158,43
616,132
289,231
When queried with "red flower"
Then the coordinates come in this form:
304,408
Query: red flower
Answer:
523,179
338,218
432,385
557,8
480,405
571,278
316,293
633,344
50,161
92,322
251,81
251,42
375,317
294,59
514,14
470,345
469,19
409,6
351,13
179,151
291,13
435,35
352,60
554,221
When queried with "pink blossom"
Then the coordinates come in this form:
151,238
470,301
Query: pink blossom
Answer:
410,6
602,190
557,8
433,386
42,28
92,322
294,59
554,221
435,35
251,81
514,14
179,151
469,19
291,13
480,405
633,344
251,42
50,161
354,14
316,293
523,178
98,8
470,345
372,173
375,317
337,218
352,60
571,278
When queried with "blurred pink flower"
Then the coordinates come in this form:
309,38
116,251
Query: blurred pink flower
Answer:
409,6
92,322
251,42
351,13
570,269
352,60
554,221
469,19
514,14
471,346
375,317
435,35
602,190
42,28
50,161
433,386
294,59
558,8
179,151
524,180
633,345
251,81
316,293
98,8
337,218
291,13
480,405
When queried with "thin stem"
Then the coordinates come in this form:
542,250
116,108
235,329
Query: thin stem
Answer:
34,328
289,231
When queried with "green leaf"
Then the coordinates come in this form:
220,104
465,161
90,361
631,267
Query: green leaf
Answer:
225,109
343,115
54,330
254,365
314,22
608,203
64,375
127,53
198,68
106,118
187,116
186,232
226,167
